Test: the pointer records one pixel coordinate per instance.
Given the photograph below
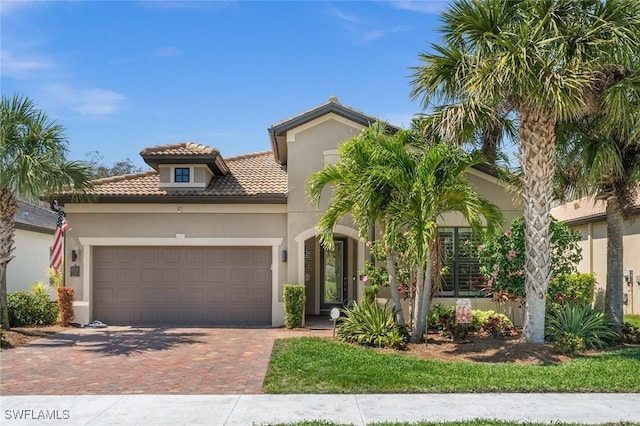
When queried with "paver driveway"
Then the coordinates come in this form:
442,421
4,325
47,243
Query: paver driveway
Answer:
146,360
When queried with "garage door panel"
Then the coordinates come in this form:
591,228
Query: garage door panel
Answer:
182,285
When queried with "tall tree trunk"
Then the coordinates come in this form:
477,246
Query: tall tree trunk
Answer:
393,283
422,303
537,146
416,335
8,206
615,268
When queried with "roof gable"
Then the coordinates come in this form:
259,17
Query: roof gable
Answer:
35,218
185,153
278,131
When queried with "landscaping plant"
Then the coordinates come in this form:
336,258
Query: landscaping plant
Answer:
32,307
579,321
370,324
294,300
65,305
443,319
630,333
572,288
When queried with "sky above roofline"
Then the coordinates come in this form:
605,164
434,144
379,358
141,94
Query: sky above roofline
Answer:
122,76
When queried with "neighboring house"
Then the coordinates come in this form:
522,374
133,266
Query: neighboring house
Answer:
589,217
204,239
33,241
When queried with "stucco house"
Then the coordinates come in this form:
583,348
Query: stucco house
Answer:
33,240
589,217
207,239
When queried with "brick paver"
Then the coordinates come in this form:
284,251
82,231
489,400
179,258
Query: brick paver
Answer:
146,360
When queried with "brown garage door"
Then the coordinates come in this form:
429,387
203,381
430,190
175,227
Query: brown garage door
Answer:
182,285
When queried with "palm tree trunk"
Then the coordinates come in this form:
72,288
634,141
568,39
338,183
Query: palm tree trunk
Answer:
416,334
615,249
422,302
537,146
393,283
8,206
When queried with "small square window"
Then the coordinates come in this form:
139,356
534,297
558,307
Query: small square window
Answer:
181,175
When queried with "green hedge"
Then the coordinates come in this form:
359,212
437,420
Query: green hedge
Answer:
294,301
572,288
31,308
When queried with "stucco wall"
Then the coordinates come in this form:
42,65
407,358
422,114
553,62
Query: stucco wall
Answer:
163,221
31,260
594,253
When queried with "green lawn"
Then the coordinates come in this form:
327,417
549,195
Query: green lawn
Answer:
461,423
633,319
314,365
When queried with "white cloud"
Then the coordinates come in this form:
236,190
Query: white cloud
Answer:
90,102
166,52
21,67
421,6
10,6
377,34
345,17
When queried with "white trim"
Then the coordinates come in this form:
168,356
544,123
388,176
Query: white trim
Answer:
71,208
181,240
291,134
337,229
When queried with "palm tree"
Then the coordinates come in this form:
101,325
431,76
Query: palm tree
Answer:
32,165
435,184
538,58
607,143
360,186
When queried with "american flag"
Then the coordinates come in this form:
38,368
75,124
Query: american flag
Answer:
58,234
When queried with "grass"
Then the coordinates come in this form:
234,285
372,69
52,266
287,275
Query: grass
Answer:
313,365
633,319
478,422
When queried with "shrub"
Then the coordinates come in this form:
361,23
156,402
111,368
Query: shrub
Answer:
31,308
370,324
370,293
580,320
294,301
65,305
495,324
572,288
443,319
630,333
569,344
502,257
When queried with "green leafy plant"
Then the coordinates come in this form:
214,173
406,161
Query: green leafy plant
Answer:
294,301
370,324
569,344
65,305
32,307
572,288
443,319
495,324
630,333
502,257
370,294
580,320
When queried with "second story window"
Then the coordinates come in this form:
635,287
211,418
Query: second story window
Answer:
181,175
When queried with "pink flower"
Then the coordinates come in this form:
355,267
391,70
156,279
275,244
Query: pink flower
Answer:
490,283
369,243
365,278
508,233
512,253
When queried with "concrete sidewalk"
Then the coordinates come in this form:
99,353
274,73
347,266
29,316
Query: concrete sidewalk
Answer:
346,409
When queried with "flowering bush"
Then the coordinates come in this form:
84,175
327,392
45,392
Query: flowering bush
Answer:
502,258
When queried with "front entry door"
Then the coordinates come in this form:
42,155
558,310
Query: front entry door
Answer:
333,276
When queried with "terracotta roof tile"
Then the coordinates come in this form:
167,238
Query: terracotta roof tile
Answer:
250,175
183,148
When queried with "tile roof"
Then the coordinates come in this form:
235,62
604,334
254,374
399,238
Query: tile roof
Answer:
183,148
250,175
32,217
584,210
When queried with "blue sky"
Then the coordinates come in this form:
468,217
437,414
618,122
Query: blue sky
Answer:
124,75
